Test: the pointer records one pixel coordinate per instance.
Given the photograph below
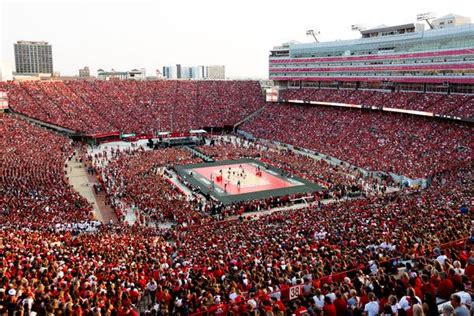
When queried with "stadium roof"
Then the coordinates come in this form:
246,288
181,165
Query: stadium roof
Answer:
450,16
385,28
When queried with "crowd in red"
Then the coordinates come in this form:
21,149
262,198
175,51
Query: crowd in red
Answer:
136,179
132,106
243,266
33,188
335,178
412,146
246,263
452,104
273,252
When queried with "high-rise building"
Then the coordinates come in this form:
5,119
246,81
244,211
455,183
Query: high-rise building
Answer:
84,72
169,72
178,71
187,72
216,72
198,72
195,72
33,57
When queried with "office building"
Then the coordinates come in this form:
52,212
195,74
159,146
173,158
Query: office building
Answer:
33,57
193,72
84,72
215,72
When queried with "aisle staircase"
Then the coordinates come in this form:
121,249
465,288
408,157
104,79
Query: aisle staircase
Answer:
249,117
199,154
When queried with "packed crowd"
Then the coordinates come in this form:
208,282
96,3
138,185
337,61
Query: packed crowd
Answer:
452,104
412,146
244,267
136,179
111,271
346,236
339,237
33,188
337,179
131,106
139,180
52,273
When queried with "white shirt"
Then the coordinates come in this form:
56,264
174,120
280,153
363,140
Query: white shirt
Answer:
405,304
372,308
252,303
441,259
151,286
319,301
465,297
233,296
395,308
332,296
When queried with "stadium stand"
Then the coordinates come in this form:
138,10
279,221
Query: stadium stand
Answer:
412,146
34,191
140,107
136,178
345,250
342,250
402,252
460,105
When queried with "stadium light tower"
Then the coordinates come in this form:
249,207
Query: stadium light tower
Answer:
313,33
426,17
358,27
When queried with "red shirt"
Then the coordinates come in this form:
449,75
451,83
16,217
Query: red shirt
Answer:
341,306
280,305
445,289
428,288
469,271
301,310
329,310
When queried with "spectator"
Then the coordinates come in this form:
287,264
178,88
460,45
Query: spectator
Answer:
372,307
459,308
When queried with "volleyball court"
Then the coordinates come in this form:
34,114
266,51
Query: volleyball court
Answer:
242,178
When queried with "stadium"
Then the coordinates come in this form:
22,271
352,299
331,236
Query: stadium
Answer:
344,187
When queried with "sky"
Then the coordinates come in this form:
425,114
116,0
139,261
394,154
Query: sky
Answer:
126,34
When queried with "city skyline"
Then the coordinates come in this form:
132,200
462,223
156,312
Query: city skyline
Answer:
150,34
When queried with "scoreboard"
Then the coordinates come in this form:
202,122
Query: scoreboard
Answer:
272,95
